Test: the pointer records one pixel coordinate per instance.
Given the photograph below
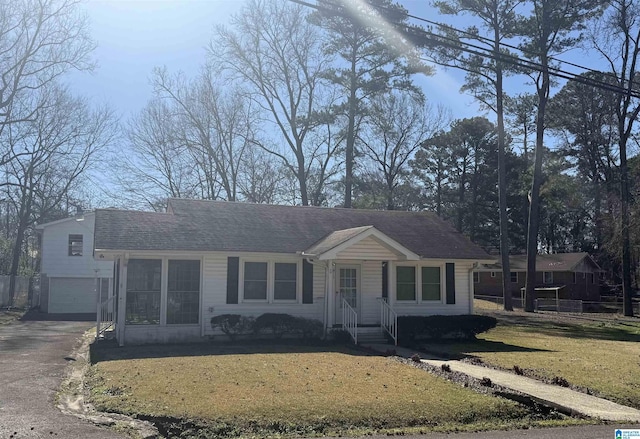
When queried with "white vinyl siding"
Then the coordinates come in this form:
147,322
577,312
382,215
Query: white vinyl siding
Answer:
214,288
371,292
56,261
369,250
462,305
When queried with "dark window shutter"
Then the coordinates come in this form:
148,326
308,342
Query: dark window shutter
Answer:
233,265
450,277
307,282
385,279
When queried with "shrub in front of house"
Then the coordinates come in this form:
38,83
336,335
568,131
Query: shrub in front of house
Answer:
273,324
233,325
280,324
416,328
276,324
340,336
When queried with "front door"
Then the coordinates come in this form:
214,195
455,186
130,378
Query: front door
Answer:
347,288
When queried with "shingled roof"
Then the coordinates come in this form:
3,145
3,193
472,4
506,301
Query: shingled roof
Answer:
552,262
198,225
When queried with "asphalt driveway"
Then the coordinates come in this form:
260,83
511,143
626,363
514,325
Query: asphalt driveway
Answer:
33,357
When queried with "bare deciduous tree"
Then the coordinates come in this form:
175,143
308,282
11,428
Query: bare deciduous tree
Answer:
397,125
40,40
274,51
51,154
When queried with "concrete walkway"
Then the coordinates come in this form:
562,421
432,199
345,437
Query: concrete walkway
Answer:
560,398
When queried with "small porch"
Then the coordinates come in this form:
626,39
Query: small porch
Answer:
357,266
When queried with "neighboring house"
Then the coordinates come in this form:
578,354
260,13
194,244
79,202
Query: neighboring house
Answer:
176,270
71,280
575,275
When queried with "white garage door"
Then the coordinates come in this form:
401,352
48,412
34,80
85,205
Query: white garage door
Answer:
72,295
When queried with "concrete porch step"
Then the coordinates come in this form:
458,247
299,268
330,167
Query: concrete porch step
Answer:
371,336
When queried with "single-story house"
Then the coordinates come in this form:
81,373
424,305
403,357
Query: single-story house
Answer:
576,276
177,269
71,280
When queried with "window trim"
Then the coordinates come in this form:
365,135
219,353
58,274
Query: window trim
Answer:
418,270
476,277
76,240
166,297
164,284
271,279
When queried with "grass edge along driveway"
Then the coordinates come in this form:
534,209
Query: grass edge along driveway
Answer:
599,352
291,390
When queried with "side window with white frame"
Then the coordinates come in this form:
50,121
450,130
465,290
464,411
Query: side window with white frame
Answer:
405,283
431,284
75,245
270,281
419,284
255,280
476,277
547,277
285,284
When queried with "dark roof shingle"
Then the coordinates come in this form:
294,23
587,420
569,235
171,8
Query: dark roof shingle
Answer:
199,225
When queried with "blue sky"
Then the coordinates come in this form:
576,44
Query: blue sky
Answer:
134,36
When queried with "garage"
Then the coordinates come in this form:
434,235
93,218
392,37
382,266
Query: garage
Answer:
72,295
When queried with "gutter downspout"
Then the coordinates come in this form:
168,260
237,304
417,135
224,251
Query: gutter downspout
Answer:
472,286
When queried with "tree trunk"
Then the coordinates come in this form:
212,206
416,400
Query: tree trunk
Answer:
351,134
627,304
534,205
502,189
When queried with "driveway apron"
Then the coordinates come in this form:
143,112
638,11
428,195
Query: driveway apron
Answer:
33,358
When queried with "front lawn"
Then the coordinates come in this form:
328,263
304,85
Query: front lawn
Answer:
598,352
291,390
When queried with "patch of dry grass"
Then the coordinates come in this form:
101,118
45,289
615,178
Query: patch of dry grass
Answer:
599,353
309,390
8,316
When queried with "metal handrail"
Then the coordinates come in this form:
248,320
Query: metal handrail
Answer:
350,320
105,317
389,320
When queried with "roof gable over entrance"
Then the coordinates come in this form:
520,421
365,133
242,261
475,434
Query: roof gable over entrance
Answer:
365,242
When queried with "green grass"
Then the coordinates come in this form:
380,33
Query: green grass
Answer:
302,390
601,353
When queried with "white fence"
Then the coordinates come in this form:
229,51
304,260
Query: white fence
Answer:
21,296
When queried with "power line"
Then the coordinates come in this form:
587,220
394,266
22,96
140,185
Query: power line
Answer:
431,38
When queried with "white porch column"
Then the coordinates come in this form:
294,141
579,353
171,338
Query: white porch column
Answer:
122,299
331,293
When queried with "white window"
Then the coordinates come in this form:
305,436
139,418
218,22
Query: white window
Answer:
255,280
270,281
547,277
419,284
75,245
